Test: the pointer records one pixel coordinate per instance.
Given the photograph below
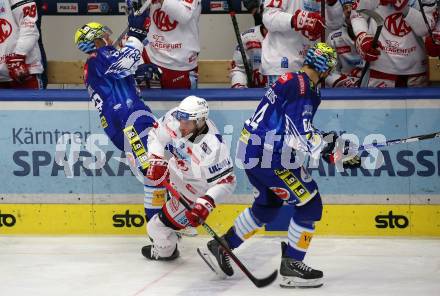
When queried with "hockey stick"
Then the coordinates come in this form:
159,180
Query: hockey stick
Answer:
400,141
247,68
323,32
141,10
425,19
260,283
379,22
323,17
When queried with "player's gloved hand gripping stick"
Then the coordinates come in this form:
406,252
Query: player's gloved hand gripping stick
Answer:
258,282
138,12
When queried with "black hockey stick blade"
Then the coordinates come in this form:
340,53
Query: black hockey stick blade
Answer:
260,283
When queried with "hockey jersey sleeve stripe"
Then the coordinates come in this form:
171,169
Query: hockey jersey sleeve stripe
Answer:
224,173
18,4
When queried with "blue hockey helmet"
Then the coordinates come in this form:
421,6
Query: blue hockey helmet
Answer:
321,57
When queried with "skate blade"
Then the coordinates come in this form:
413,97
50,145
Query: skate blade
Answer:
295,282
206,256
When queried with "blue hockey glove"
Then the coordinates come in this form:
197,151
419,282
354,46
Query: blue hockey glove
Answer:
138,25
147,72
339,151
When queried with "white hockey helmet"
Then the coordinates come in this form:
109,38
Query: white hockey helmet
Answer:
192,108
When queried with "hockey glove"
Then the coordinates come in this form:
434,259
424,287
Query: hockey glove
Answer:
432,44
364,46
310,24
157,171
251,4
398,4
198,214
138,25
17,68
148,72
339,151
346,81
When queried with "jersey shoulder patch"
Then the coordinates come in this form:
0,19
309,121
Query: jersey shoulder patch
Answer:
285,77
335,34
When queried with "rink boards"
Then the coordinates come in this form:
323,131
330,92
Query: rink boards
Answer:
40,195
117,219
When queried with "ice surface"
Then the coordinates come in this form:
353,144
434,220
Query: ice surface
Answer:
106,266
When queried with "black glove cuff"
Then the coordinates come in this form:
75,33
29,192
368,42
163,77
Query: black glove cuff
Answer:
137,33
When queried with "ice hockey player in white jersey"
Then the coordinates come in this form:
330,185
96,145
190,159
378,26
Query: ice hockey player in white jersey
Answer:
20,62
350,63
400,60
173,41
198,166
252,40
432,43
293,27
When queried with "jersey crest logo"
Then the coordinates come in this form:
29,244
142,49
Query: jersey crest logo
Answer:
396,25
285,77
163,22
5,30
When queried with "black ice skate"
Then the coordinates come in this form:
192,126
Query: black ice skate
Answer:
223,259
296,274
150,252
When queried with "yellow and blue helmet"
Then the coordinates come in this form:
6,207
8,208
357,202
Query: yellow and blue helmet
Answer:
86,35
321,57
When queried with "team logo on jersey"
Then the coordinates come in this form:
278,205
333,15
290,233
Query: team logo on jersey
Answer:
281,192
5,30
396,25
163,22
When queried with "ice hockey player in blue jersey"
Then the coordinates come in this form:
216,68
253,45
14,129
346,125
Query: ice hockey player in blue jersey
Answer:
108,76
280,131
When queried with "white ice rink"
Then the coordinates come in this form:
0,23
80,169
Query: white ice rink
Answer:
106,266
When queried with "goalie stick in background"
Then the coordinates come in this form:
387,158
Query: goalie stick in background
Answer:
108,76
187,149
280,130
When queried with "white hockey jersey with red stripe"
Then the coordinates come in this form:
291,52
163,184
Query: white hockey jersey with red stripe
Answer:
19,34
350,63
284,49
401,37
252,42
196,168
173,37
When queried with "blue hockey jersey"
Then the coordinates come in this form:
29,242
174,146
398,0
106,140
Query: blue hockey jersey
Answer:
108,75
283,121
